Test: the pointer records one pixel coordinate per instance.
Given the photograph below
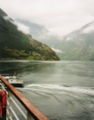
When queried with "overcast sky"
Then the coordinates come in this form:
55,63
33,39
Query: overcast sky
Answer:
58,16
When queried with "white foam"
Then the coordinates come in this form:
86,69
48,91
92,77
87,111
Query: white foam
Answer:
84,90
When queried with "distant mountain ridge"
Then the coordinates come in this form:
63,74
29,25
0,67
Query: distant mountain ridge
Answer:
79,45
15,44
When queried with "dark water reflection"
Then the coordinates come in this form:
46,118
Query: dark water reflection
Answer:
62,90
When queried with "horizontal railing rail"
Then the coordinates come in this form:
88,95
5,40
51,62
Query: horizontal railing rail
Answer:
32,112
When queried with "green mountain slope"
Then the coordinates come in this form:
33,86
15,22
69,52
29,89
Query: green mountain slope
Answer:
15,44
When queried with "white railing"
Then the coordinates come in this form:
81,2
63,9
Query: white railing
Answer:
18,106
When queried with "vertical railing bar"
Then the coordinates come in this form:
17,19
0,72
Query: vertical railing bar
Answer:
18,107
6,92
8,116
13,112
8,113
9,104
2,86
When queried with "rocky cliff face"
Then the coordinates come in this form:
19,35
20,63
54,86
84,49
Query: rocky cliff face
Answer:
14,44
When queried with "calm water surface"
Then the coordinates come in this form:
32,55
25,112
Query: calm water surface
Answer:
62,90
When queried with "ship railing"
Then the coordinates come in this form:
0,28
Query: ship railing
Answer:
18,106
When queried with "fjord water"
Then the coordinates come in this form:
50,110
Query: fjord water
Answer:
62,90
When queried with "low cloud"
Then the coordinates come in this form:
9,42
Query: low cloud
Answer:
58,16
25,29
7,18
56,50
20,26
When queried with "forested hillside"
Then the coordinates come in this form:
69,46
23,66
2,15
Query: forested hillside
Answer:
14,44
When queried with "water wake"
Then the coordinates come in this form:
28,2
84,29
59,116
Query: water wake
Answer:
47,87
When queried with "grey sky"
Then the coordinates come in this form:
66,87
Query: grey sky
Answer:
58,16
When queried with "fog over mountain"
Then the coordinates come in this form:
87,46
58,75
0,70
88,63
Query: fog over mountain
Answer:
42,34
78,45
